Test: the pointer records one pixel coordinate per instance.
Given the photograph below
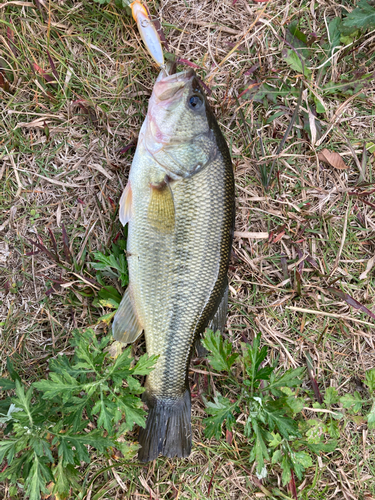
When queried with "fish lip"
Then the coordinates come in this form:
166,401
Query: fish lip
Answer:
184,75
168,88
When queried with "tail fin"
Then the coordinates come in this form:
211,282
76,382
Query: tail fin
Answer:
168,428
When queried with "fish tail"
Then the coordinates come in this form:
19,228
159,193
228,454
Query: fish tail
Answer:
168,428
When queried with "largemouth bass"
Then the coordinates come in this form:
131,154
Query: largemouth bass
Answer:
179,204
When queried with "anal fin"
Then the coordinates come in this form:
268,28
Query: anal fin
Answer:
126,327
216,323
220,318
161,212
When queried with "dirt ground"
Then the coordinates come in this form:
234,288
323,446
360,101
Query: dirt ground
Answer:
63,167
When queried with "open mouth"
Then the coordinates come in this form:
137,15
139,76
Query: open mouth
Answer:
169,87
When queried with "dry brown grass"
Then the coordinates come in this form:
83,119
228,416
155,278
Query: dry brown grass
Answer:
60,165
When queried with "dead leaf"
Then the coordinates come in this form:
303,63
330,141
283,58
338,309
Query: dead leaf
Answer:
314,383
313,128
58,215
4,83
370,265
4,251
350,301
115,349
250,235
332,158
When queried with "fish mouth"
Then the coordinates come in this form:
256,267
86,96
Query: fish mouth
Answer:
168,88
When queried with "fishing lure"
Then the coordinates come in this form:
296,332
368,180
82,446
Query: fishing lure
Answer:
148,32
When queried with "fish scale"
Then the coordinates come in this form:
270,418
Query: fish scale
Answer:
179,243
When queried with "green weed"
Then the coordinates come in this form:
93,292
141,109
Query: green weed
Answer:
90,400
269,400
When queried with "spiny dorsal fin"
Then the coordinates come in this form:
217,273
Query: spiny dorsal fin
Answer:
125,211
126,327
161,213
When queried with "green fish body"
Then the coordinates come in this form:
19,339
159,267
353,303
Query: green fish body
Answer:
179,204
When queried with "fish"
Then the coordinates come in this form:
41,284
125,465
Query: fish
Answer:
179,207
148,32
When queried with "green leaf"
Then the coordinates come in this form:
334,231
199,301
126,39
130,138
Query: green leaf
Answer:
58,385
331,396
79,442
295,404
254,355
37,480
324,447
134,416
8,449
296,32
106,318
334,34
221,357
23,400
4,418
277,420
64,477
291,378
107,293
286,467
301,461
135,386
320,108
123,361
90,382
265,90
261,452
110,303
145,365
13,374
106,412
297,62
352,400
276,457
362,17
350,37
303,458
64,450
371,417
108,263
121,3
370,379
41,447
316,431
220,410
276,440
333,429
7,384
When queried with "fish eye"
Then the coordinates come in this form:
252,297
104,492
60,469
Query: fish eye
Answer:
195,102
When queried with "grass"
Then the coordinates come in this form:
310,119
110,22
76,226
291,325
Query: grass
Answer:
60,166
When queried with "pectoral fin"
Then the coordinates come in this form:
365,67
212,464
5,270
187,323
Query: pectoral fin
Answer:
125,211
161,212
126,327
